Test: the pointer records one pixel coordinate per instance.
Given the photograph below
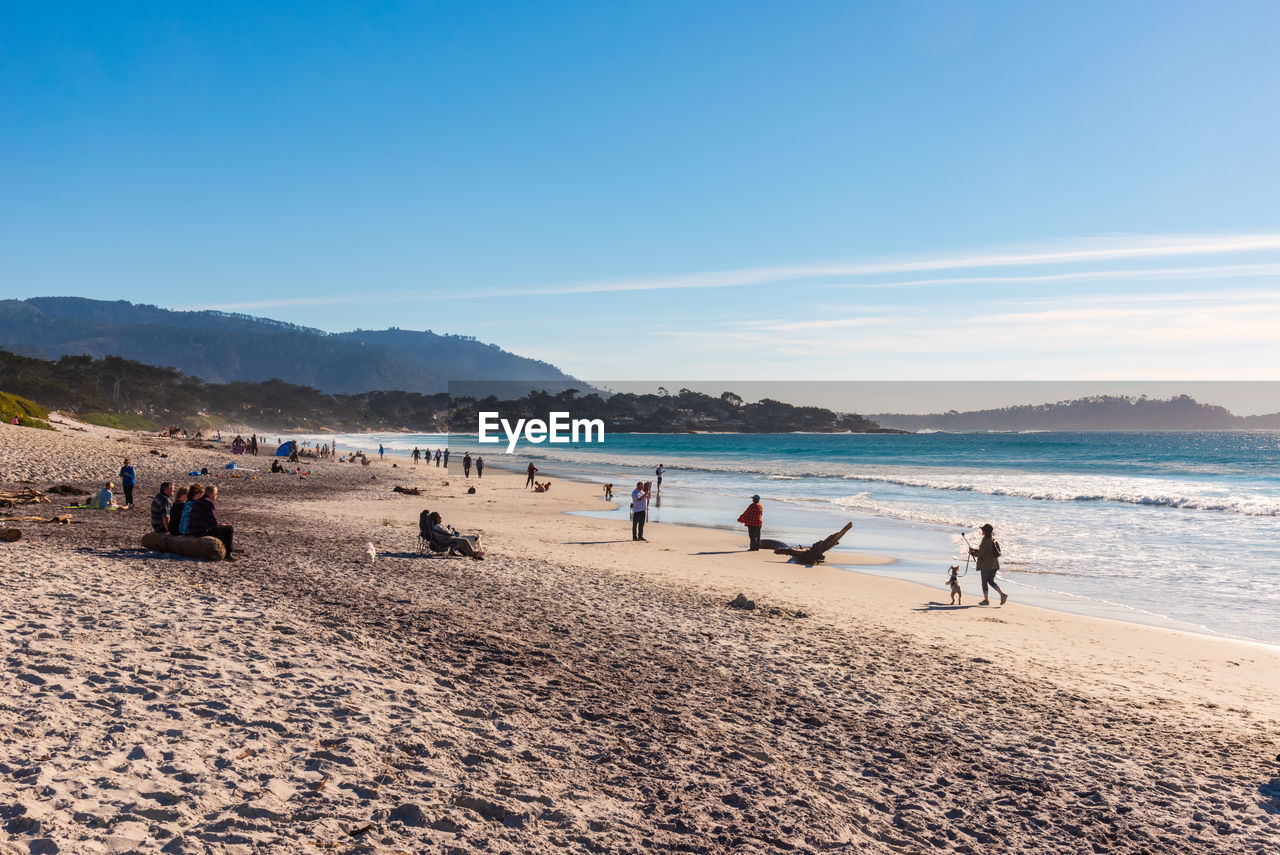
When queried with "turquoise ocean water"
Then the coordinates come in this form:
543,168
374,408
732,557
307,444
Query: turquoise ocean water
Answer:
1172,529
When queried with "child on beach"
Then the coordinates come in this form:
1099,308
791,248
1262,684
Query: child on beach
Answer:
608,492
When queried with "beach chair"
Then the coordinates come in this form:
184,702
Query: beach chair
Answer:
428,542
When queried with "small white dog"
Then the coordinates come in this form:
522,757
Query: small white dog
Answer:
370,553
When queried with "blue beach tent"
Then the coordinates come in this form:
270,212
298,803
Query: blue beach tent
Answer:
286,449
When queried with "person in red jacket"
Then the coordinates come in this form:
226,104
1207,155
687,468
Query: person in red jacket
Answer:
753,519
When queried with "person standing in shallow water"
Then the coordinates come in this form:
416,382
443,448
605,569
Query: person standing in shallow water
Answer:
988,555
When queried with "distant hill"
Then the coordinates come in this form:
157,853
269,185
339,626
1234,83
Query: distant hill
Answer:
125,394
1105,412
220,348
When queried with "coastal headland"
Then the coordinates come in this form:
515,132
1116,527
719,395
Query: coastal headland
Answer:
574,691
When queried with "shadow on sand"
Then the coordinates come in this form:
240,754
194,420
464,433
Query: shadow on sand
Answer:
942,607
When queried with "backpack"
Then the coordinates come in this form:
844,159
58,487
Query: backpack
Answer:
424,524
996,547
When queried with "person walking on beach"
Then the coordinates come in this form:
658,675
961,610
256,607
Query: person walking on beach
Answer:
446,458
479,466
161,507
466,464
128,477
531,471
416,455
988,555
381,450
437,457
753,519
639,510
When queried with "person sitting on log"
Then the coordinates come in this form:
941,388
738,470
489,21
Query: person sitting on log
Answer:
175,512
194,492
204,521
162,508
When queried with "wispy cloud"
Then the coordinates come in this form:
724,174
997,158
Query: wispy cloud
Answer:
1103,249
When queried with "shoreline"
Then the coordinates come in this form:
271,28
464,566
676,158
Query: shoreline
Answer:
1052,600
865,563
578,690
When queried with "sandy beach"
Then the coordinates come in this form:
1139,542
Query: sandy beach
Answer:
574,691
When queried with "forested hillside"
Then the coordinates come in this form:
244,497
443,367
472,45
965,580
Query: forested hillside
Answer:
221,348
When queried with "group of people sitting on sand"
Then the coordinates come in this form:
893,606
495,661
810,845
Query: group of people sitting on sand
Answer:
191,511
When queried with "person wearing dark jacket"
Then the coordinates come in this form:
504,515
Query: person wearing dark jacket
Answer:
204,521
161,508
988,555
753,519
175,511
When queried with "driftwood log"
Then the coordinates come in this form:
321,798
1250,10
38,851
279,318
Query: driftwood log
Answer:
815,554
203,548
26,496
408,491
9,535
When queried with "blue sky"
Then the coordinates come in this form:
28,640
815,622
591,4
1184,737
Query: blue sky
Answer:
924,190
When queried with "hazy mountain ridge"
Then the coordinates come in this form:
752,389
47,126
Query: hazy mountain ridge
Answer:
1102,412
220,348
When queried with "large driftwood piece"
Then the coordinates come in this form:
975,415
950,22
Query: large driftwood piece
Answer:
204,548
815,554
26,496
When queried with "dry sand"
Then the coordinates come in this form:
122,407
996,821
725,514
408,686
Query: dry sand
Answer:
575,691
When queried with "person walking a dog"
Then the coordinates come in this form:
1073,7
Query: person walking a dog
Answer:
988,554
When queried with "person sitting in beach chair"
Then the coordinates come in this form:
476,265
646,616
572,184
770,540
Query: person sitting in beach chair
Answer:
428,540
448,537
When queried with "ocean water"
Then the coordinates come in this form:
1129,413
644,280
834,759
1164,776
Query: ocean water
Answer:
1178,529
